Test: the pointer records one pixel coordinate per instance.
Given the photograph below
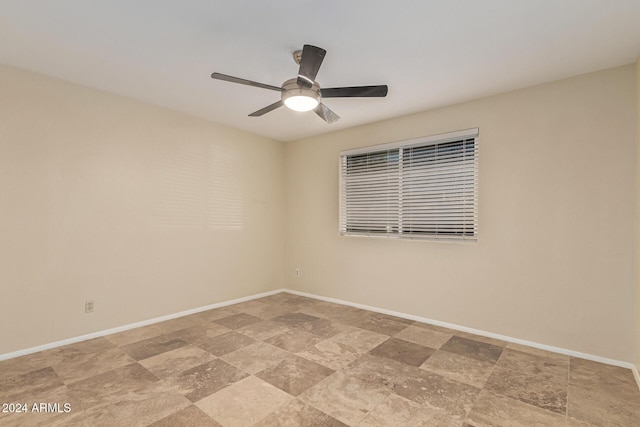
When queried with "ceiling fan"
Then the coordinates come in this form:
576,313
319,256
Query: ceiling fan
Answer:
303,93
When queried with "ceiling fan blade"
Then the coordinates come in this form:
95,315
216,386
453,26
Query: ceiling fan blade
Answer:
226,78
266,109
310,62
326,114
355,91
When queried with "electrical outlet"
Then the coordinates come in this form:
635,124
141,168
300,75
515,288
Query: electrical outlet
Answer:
88,306
298,272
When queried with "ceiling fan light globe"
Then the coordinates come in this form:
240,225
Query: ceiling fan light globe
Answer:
301,103
299,98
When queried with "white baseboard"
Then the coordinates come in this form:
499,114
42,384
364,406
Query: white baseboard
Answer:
636,375
92,335
560,350
477,332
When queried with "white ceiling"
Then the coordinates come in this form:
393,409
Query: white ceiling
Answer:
430,52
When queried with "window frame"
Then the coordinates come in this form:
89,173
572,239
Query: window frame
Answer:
434,140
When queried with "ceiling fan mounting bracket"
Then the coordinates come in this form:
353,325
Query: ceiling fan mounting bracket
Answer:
297,56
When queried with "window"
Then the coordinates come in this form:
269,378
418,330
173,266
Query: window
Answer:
422,188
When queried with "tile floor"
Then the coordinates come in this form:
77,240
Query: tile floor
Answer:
286,360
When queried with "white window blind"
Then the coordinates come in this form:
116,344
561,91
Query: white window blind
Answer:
423,188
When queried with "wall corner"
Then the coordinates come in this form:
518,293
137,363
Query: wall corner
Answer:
637,228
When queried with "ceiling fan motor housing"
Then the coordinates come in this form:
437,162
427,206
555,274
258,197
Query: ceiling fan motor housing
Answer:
300,98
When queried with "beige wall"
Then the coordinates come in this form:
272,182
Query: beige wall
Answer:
637,198
146,211
554,262
149,212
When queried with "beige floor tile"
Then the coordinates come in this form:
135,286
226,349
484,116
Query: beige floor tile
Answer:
203,380
244,403
398,411
294,340
264,330
436,328
338,351
270,310
292,298
178,323
176,361
529,389
225,343
573,422
345,398
153,346
134,335
296,414
557,357
549,369
403,351
284,298
22,365
424,336
359,340
323,328
382,323
216,313
382,373
316,309
74,419
245,307
332,354
436,391
481,338
236,321
199,333
600,408
294,374
617,381
139,408
57,355
21,387
494,410
256,357
190,416
111,386
58,414
326,310
78,366
459,368
295,319
473,349
67,352
336,312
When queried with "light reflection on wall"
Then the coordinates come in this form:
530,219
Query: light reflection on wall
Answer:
225,209
199,187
